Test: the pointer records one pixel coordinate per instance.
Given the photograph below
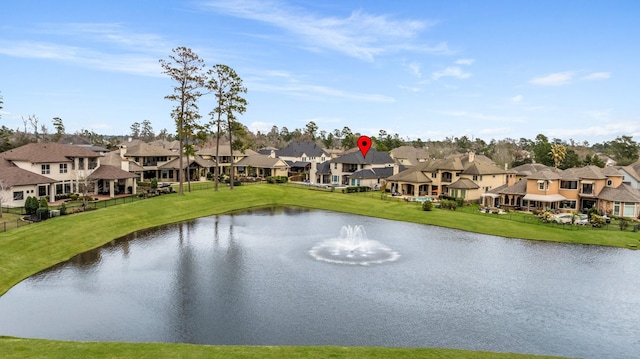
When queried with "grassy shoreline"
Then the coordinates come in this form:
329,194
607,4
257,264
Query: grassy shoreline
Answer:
31,249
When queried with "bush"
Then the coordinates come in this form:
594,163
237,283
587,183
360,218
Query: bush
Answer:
354,189
427,206
42,213
448,204
277,179
63,209
460,201
43,203
596,220
154,183
31,205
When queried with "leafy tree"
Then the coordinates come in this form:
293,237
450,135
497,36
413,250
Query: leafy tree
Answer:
625,150
146,131
135,130
348,138
571,160
593,160
541,150
59,127
227,87
311,130
185,68
5,138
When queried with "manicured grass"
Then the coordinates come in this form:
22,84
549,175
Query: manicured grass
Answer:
35,348
28,250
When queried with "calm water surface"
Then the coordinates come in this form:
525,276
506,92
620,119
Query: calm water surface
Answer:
249,279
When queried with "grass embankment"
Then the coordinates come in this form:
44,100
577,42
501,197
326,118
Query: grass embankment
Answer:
30,249
36,348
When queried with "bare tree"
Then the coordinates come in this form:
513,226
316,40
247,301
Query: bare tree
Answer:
185,68
84,184
227,87
33,120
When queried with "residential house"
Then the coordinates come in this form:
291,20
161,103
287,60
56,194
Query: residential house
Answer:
62,169
151,158
574,189
352,169
409,156
225,157
465,176
303,158
631,175
195,168
262,166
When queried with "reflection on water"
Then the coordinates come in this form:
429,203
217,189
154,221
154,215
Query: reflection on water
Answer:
248,278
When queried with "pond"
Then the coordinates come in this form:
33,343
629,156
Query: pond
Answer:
252,279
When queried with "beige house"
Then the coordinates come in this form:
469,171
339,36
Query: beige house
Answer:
225,157
570,190
352,169
464,176
261,166
61,169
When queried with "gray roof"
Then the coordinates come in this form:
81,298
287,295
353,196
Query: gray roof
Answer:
519,187
373,157
143,149
372,173
187,161
296,149
324,168
261,161
411,175
14,176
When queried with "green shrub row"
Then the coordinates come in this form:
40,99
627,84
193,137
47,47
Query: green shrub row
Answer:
277,179
354,189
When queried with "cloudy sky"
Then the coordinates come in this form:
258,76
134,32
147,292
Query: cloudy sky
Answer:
422,69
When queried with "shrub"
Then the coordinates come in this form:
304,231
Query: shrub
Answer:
63,209
31,205
43,203
42,213
596,220
427,206
448,204
154,183
460,201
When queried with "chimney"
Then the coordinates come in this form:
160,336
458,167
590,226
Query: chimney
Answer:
272,154
472,156
123,151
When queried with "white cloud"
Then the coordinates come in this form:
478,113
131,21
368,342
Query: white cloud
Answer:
134,63
451,71
415,68
555,79
465,61
597,76
608,129
358,35
517,98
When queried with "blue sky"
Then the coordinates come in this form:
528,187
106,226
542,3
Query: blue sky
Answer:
422,69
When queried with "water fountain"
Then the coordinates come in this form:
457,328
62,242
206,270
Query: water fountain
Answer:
353,247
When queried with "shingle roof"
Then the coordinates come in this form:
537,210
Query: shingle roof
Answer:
622,193
372,173
412,154
47,153
519,187
324,168
262,161
186,161
464,183
547,174
412,175
15,176
373,157
113,159
143,149
106,172
296,149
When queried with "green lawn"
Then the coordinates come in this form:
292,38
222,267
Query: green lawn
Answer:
30,249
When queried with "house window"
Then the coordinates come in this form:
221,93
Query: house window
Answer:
543,185
81,163
63,168
322,159
629,210
18,195
45,169
609,183
335,166
616,208
568,204
335,179
475,177
42,191
304,159
434,175
568,184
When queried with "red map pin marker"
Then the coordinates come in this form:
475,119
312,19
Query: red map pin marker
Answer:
364,143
